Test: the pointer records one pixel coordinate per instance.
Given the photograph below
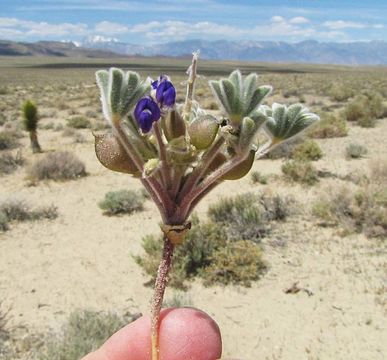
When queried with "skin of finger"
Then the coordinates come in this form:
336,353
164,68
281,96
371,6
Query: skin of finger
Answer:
185,333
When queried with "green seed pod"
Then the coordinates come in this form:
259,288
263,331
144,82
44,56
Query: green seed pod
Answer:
181,153
113,156
202,131
242,169
174,125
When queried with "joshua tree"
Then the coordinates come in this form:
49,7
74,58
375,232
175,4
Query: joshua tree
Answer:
30,122
181,152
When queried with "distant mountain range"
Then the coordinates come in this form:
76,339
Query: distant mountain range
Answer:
51,48
354,53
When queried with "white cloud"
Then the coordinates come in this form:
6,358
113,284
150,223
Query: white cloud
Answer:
178,30
23,28
299,20
277,18
110,28
341,24
278,27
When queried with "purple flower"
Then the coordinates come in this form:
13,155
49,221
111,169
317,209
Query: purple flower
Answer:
146,113
161,78
166,93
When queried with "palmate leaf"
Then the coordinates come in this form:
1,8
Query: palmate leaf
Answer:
119,91
285,122
238,97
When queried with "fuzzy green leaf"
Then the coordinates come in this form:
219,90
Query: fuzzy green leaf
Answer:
116,81
284,123
248,132
256,98
236,79
222,99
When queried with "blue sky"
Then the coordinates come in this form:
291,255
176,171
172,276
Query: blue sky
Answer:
157,21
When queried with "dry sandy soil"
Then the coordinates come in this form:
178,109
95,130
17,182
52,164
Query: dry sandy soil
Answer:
83,259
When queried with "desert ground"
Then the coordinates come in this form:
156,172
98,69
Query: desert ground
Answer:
83,259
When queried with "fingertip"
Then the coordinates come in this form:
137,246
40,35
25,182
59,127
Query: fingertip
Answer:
188,333
185,333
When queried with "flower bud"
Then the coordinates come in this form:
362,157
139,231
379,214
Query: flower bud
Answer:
174,125
113,156
202,131
242,169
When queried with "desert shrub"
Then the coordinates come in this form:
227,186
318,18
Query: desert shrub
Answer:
10,162
257,177
57,166
244,218
15,209
122,202
78,122
191,256
85,331
8,140
249,216
302,99
366,121
375,104
3,90
308,150
300,171
330,126
355,151
3,222
341,92
365,109
354,110
3,119
238,263
361,211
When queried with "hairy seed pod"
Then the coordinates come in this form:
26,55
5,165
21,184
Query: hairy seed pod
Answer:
202,131
174,125
113,156
242,169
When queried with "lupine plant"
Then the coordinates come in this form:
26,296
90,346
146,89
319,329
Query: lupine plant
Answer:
180,152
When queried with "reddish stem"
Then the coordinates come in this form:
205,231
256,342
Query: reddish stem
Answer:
159,289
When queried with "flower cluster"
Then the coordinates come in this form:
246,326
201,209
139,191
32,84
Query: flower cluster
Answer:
190,151
149,108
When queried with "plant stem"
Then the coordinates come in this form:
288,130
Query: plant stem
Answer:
158,194
199,171
165,169
190,87
158,296
198,192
